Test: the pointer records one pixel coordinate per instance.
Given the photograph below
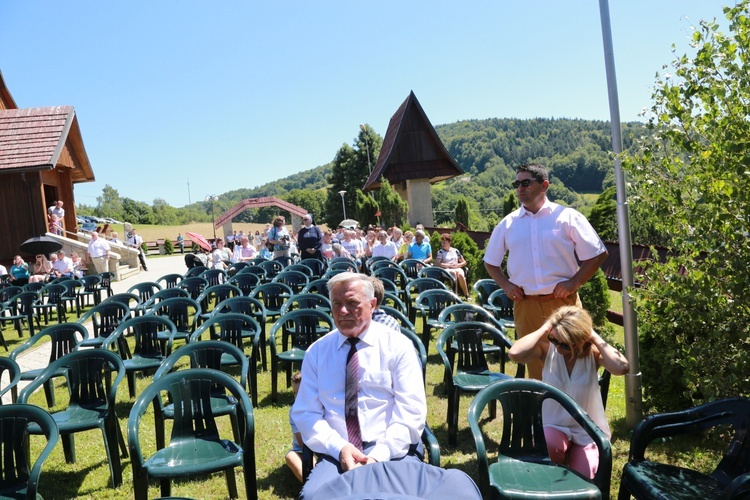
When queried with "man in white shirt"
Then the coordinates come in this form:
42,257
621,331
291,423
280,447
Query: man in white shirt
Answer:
135,241
58,210
542,240
98,253
384,247
389,407
63,266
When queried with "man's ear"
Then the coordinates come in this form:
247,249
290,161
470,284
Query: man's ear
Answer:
545,185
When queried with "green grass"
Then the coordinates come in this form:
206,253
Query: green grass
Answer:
89,477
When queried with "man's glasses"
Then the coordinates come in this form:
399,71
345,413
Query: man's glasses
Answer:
562,345
524,183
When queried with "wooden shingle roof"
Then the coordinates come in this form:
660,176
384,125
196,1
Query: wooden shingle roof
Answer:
412,149
34,139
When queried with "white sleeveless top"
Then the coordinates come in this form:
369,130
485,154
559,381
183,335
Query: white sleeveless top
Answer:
583,386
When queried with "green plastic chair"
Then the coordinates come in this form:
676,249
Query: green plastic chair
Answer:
211,296
64,338
14,375
484,289
195,446
523,469
430,303
460,346
256,310
88,373
502,307
105,318
149,350
299,329
183,312
235,329
211,354
17,479
644,478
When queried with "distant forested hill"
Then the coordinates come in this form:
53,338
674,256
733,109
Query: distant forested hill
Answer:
577,152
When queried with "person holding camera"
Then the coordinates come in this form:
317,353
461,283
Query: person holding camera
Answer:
279,236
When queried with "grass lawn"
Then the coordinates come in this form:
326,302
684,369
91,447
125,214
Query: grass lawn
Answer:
89,477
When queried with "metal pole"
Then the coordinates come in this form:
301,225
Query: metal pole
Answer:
633,387
342,193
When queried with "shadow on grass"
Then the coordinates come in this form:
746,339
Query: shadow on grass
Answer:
281,482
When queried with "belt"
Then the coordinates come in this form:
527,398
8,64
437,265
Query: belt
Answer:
539,298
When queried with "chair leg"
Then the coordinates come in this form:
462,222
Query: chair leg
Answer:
493,409
113,457
49,393
166,487
69,448
131,384
231,482
449,417
274,382
140,483
248,469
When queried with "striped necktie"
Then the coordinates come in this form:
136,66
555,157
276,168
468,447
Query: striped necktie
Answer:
352,388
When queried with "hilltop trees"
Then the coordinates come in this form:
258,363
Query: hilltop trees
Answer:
691,179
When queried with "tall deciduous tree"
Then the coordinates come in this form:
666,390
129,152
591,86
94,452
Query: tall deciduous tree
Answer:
109,204
691,179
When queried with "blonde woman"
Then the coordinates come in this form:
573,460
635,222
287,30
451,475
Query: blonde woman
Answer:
42,268
572,353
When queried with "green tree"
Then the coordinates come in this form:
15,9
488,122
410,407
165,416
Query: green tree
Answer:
136,212
603,215
393,210
365,209
309,199
109,204
164,214
349,172
510,203
462,211
690,179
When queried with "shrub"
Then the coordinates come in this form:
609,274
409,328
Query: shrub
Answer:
168,247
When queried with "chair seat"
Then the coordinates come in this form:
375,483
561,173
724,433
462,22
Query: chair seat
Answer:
532,480
75,419
475,382
220,405
141,363
193,456
293,355
32,374
654,480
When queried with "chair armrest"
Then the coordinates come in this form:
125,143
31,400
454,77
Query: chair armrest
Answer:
739,486
431,446
307,462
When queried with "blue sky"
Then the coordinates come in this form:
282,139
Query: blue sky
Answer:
234,94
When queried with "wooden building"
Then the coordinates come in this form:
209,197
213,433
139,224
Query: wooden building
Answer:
41,157
413,158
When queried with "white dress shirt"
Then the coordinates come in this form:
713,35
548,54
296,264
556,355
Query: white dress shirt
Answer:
392,403
98,248
543,246
388,250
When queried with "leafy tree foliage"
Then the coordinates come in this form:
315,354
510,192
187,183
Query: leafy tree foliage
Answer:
393,209
137,212
365,209
309,199
462,211
690,178
165,214
109,204
603,215
510,204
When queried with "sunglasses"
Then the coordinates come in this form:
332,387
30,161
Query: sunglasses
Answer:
562,345
524,183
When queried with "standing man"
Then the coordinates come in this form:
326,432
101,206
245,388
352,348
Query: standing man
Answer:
98,253
181,243
542,240
135,241
362,399
58,210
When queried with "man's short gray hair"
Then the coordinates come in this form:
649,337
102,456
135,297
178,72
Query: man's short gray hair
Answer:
349,277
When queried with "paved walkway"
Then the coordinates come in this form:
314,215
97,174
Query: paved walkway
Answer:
157,267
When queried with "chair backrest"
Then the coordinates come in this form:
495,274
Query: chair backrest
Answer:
130,300
14,423
439,274
484,288
33,287
194,285
293,279
258,271
522,436
273,295
317,286
419,347
14,375
458,313
88,373
169,280
284,260
90,283
227,327
146,331
64,338
106,280
318,267
105,317
500,305
195,271
302,327
236,267
214,276
164,294
246,282
343,265
272,268
214,294
8,293
307,301
144,290
205,354
432,302
23,303
182,311
412,267
393,300
302,268
243,305
395,274
374,262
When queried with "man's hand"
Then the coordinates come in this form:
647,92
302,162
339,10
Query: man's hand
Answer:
513,291
351,458
564,289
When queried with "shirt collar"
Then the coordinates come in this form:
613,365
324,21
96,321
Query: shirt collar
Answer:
342,339
546,208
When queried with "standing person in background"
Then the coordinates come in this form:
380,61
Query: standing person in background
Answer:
181,243
98,253
279,236
58,210
543,241
135,241
230,242
114,238
258,240
310,239
54,225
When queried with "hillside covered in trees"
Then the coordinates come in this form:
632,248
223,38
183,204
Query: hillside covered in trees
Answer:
577,152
